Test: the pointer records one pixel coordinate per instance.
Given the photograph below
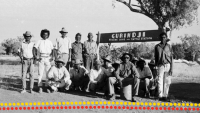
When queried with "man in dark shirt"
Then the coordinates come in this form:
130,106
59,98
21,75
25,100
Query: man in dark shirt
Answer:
125,74
164,62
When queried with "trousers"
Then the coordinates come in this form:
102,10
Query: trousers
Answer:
27,67
164,80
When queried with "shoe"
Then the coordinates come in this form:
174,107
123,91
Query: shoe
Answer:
133,100
112,98
166,99
31,91
23,91
147,95
40,90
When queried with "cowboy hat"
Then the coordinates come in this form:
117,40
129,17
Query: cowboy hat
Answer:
141,61
60,60
63,30
27,34
78,61
125,55
107,58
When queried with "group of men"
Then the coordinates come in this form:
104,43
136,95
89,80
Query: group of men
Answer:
86,72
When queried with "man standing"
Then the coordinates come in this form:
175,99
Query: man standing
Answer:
77,48
26,55
44,47
63,46
125,74
90,49
59,77
164,62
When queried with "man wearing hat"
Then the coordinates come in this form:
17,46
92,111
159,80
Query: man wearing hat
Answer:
145,77
63,46
97,77
164,62
42,52
126,74
90,52
108,65
79,76
58,76
26,56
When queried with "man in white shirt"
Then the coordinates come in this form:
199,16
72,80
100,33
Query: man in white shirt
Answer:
97,77
42,52
26,56
63,46
59,77
145,76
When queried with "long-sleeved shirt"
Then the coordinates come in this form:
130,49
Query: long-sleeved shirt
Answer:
76,74
77,50
127,70
90,47
162,55
59,74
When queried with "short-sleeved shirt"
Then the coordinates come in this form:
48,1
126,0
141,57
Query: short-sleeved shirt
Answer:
77,50
63,44
45,47
76,74
146,72
59,74
128,70
27,49
163,54
90,47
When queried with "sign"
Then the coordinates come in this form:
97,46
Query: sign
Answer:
132,36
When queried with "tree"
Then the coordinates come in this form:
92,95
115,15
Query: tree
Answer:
166,13
104,50
191,44
12,45
178,51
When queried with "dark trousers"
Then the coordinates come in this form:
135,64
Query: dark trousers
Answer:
82,82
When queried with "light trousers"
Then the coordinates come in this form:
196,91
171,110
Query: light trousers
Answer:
27,67
164,80
44,66
55,85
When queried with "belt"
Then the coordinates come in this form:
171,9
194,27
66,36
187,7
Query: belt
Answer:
27,58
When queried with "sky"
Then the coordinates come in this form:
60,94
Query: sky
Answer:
83,16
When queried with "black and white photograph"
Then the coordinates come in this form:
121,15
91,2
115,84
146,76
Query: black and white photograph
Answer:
85,56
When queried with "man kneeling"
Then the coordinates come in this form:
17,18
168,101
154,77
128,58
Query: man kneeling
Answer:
58,76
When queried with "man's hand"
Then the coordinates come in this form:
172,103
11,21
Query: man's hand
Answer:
120,82
22,61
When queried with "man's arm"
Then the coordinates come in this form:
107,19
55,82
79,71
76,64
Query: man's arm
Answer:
134,70
171,63
92,77
156,55
66,75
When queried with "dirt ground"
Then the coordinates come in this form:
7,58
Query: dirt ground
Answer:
184,88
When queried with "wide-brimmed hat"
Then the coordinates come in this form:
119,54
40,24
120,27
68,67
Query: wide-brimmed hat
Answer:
125,55
141,61
27,34
78,61
63,30
97,62
107,58
60,60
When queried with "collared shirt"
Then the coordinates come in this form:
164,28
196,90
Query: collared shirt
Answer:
128,70
63,44
97,75
27,49
45,47
146,72
59,74
76,74
77,50
163,54
90,47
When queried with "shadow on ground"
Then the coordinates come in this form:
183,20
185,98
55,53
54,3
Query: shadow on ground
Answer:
182,92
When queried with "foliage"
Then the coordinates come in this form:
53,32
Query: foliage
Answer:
12,45
191,45
176,13
178,51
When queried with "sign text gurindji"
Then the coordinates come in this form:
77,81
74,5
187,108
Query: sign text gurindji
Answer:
132,36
